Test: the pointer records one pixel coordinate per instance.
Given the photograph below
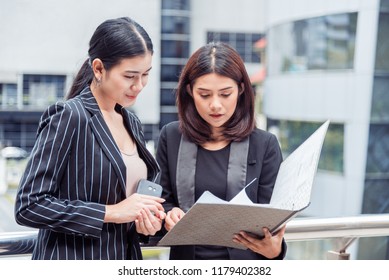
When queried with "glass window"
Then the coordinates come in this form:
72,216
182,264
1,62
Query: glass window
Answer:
170,73
323,43
175,25
240,45
376,196
380,100
242,42
168,97
171,49
378,150
176,4
39,91
8,95
382,51
167,118
292,134
384,4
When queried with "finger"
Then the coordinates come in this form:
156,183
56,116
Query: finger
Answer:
169,223
139,227
248,237
151,218
281,232
161,215
156,204
239,239
154,198
152,208
152,222
175,216
267,234
148,217
145,226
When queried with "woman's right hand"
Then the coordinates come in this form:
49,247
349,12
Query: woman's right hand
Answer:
172,218
130,208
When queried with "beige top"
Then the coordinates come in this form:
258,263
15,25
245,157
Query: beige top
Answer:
136,170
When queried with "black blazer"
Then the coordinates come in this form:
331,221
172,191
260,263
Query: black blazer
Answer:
263,162
75,170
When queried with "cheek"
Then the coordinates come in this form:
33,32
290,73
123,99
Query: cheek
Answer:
145,80
115,83
200,104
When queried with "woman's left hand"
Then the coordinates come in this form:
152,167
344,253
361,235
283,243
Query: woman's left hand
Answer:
269,246
147,223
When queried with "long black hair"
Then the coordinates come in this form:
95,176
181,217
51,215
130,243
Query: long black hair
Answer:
112,41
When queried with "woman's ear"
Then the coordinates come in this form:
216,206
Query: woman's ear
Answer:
241,88
188,90
98,68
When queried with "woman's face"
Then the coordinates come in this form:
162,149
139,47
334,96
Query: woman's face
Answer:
215,98
123,82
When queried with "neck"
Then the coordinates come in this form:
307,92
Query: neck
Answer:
104,103
215,144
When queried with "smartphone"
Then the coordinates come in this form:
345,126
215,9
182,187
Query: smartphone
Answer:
149,188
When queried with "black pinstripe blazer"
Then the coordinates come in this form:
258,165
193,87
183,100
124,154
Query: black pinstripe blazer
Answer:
75,170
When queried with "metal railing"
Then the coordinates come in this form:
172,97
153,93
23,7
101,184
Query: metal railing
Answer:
344,229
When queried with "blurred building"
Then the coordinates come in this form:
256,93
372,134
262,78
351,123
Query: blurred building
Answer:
45,43
330,60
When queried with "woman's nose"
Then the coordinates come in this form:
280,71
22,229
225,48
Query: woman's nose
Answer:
215,103
137,85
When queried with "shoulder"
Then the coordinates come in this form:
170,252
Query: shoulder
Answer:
262,137
61,112
171,129
263,144
170,135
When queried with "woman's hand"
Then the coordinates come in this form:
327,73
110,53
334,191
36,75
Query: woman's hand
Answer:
130,208
269,246
172,218
149,223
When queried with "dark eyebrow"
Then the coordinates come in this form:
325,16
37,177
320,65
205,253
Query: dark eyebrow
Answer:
204,89
137,72
225,88
210,90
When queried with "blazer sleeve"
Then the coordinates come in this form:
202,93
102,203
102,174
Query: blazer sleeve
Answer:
163,157
271,162
271,165
38,203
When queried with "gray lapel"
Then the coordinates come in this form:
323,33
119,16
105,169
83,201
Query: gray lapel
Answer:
186,167
237,168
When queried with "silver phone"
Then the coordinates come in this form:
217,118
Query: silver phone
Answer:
149,188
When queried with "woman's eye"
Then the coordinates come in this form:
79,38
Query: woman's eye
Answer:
129,77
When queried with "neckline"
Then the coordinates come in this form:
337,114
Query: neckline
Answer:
217,150
129,154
